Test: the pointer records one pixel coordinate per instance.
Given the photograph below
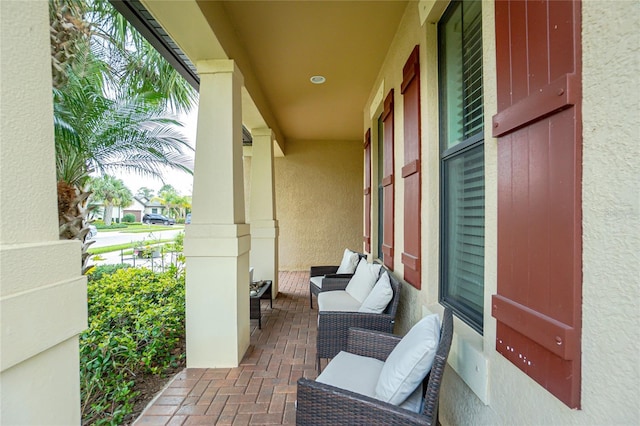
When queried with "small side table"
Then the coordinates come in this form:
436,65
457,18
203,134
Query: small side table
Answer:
255,310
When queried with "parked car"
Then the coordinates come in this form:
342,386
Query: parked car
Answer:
157,218
188,219
93,231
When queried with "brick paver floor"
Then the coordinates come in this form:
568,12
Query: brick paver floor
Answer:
262,390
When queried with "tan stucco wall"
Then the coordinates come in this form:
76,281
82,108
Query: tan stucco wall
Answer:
611,212
610,374
318,202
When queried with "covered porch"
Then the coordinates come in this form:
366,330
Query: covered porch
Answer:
360,163
262,389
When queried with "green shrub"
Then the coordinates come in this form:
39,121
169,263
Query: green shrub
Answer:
129,218
97,272
136,321
113,225
98,223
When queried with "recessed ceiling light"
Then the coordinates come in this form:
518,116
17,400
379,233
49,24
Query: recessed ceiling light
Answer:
318,79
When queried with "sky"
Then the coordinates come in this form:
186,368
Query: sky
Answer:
181,181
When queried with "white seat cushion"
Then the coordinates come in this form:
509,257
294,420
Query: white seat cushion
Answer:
317,281
360,374
337,300
382,293
409,362
348,263
352,372
363,280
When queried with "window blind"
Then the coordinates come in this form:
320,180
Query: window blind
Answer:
465,211
462,161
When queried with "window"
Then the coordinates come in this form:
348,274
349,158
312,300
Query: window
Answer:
462,161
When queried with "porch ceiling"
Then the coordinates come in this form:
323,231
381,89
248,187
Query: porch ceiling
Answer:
279,45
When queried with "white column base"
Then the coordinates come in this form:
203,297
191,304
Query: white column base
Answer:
217,295
44,389
264,252
42,311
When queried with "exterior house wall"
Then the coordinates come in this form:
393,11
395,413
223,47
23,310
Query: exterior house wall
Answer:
498,392
390,77
136,213
154,207
318,202
136,208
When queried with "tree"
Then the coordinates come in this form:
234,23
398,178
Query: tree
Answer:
111,105
69,35
169,196
138,66
184,205
175,204
144,192
111,192
167,189
95,133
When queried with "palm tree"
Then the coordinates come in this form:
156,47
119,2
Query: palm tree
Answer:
69,35
139,67
184,204
169,196
97,134
111,192
110,107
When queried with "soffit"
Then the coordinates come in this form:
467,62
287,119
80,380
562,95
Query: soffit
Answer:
281,44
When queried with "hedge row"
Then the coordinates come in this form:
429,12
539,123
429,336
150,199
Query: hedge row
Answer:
136,322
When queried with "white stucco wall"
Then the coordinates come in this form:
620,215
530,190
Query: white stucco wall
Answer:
611,227
43,304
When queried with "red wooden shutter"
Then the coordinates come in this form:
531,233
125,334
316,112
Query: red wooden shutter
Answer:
367,191
387,182
411,170
538,125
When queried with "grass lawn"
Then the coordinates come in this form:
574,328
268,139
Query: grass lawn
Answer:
139,229
117,247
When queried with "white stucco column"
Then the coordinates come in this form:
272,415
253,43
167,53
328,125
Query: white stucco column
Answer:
43,299
217,242
264,226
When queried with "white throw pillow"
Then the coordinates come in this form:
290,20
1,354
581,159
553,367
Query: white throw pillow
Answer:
363,280
409,362
349,262
382,293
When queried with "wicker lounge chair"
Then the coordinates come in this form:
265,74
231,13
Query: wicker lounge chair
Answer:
317,275
333,326
323,404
